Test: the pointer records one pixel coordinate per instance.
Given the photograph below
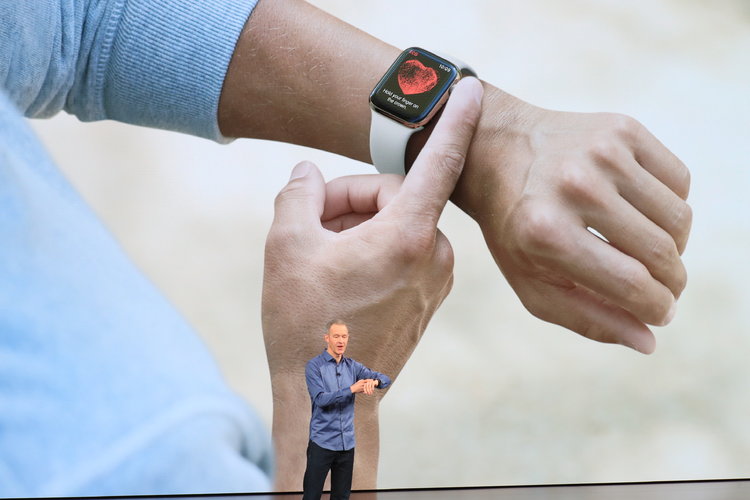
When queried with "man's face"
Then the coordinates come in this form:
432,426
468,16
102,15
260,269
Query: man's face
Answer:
337,338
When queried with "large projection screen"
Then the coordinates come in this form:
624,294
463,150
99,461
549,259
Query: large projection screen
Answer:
492,395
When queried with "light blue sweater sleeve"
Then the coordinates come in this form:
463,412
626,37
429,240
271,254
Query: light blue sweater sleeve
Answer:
105,389
157,63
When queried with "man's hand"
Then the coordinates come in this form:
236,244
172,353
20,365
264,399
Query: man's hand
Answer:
536,180
365,385
365,249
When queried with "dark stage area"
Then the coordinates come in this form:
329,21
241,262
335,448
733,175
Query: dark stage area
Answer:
738,489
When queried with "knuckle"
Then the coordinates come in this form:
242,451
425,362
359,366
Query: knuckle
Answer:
447,160
540,231
683,217
680,282
437,265
418,242
604,151
663,251
624,127
667,266
681,221
633,282
444,259
292,191
659,311
580,185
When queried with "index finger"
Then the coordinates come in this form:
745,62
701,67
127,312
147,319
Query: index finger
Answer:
436,170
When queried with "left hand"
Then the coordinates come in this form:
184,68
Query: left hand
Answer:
536,180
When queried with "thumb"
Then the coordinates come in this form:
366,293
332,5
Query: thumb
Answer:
436,170
300,203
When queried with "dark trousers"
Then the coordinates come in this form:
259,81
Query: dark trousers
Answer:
319,462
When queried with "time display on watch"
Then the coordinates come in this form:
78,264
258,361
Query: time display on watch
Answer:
414,87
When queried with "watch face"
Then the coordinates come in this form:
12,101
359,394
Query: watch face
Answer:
414,86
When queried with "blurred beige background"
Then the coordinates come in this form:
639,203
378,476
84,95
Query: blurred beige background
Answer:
491,395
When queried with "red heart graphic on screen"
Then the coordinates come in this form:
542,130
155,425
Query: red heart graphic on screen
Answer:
416,78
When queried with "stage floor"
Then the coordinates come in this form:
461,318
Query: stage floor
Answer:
691,490
682,490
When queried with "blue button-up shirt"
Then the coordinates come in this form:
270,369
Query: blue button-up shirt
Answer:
328,382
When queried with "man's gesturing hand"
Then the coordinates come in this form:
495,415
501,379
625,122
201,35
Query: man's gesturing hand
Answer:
365,249
365,385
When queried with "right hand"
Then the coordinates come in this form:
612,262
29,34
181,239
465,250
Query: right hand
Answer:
365,385
365,249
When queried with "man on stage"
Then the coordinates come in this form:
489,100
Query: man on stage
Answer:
333,381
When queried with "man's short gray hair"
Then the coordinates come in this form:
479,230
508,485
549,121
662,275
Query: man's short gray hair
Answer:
337,321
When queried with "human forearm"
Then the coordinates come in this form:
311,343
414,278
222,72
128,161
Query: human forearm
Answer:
302,76
535,180
291,416
325,399
320,264
381,381
367,436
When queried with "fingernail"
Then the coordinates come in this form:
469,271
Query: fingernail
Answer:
301,170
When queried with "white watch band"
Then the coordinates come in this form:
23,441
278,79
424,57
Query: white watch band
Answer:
388,138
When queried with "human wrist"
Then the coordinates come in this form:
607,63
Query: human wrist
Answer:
409,95
488,174
288,381
290,398
291,414
367,432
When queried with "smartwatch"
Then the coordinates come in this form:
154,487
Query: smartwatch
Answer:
410,93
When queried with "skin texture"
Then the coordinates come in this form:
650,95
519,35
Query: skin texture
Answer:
566,172
366,249
534,180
